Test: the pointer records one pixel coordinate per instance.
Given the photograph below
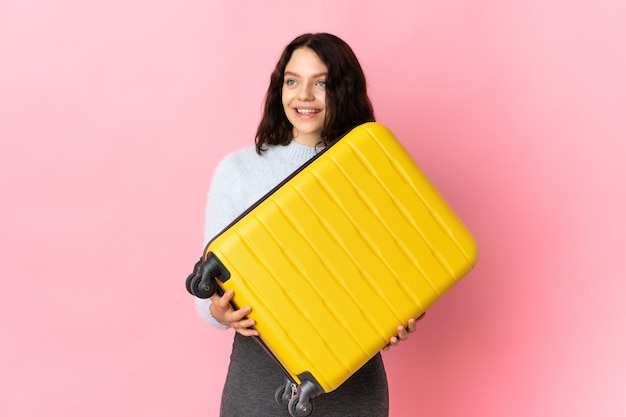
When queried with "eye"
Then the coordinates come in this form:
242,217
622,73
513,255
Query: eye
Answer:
321,84
290,82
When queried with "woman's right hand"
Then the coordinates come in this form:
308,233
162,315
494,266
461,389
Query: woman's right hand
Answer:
223,311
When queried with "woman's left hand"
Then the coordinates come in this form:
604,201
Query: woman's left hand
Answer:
403,332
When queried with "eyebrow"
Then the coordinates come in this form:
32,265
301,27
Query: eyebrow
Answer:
293,74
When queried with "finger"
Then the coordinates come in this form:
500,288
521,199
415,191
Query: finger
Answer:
224,300
247,332
243,326
402,334
215,298
237,315
412,325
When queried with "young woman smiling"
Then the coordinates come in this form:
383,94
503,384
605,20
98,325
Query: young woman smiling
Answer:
317,93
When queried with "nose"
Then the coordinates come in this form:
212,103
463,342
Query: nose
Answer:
306,92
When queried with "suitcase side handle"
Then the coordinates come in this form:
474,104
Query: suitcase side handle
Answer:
201,282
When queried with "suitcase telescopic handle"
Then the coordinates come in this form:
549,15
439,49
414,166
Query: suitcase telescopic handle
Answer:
201,282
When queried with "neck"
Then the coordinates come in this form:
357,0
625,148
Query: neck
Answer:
308,140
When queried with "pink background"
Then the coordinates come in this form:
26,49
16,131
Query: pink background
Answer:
113,115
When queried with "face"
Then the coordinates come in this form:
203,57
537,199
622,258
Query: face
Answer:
304,95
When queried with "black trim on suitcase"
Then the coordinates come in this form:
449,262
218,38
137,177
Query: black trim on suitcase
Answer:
201,282
197,282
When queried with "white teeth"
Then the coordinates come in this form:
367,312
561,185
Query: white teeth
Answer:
307,111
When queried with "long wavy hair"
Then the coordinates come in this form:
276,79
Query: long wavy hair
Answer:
347,102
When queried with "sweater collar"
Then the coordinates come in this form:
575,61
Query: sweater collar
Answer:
295,151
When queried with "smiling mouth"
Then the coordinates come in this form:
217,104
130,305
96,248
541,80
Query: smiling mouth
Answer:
307,111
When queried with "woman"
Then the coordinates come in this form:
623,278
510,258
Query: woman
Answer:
317,93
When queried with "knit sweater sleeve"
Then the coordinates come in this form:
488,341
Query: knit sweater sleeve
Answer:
239,180
220,209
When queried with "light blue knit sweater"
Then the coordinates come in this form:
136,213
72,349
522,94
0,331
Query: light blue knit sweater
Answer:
239,180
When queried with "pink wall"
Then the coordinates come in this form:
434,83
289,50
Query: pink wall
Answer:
113,115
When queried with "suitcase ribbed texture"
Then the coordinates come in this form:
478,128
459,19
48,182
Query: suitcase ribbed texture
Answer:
339,256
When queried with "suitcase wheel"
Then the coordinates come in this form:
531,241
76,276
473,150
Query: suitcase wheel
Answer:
200,282
299,408
283,393
203,288
190,283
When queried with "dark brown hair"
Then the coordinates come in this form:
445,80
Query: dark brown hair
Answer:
347,103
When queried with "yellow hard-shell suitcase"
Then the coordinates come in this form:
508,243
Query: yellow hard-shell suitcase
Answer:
349,247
